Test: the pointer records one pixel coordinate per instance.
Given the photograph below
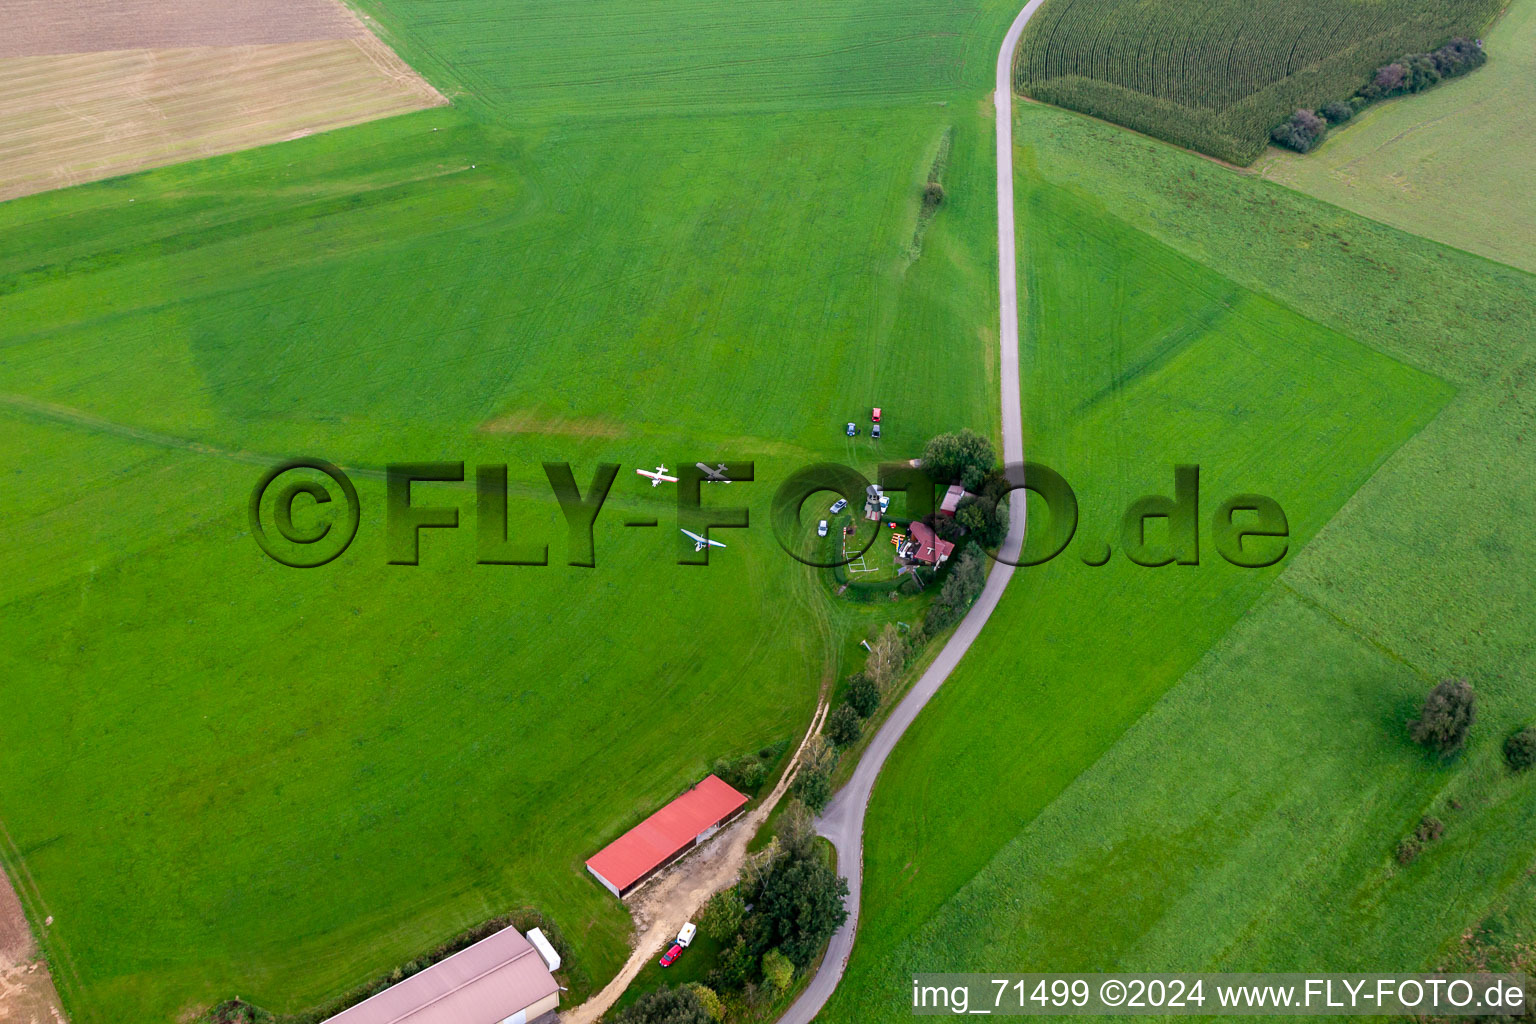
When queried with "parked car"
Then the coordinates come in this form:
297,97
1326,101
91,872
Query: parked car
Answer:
875,415
671,955
875,430
885,503
839,505
821,531
686,933
853,429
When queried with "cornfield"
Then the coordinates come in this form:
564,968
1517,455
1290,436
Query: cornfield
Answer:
1216,75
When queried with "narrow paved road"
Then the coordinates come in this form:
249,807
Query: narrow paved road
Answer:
843,822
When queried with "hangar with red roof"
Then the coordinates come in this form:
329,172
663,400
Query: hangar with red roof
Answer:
666,835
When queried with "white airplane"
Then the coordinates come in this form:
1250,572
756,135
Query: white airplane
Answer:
659,476
699,543
714,476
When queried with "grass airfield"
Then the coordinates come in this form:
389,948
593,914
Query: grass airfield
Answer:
1216,779
224,776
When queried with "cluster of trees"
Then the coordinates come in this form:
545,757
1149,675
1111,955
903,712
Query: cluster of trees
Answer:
796,902
966,578
968,459
749,771
772,924
845,725
1304,129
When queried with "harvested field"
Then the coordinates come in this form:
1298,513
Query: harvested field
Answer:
40,27
27,995
88,93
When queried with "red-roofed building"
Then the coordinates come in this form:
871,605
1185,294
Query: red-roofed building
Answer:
666,835
923,545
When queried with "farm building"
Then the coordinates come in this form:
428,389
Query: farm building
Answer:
923,545
499,980
952,499
666,835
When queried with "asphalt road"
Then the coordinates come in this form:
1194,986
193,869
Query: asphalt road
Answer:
843,821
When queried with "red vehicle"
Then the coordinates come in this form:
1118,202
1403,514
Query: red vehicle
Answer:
875,415
671,955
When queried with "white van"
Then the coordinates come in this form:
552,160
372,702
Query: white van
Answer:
686,933
821,531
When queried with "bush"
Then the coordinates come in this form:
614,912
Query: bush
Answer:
1447,717
843,726
1429,830
778,971
666,1005
1301,132
708,999
933,194
1408,850
863,695
1520,749
1337,112
721,917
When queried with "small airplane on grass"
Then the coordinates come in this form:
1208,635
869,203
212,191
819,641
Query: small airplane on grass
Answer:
716,475
700,543
658,476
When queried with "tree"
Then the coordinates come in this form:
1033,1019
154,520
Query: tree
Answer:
721,917
863,694
734,968
843,726
1447,717
985,519
947,457
778,970
813,783
796,832
965,582
666,1005
1301,131
708,999
1520,749
887,657
1337,112
801,905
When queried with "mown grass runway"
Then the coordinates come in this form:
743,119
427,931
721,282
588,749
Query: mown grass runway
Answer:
227,777
1204,767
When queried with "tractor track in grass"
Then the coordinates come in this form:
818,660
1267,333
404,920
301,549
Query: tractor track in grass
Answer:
843,821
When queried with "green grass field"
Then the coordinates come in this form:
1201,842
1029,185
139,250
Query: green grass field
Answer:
1216,778
640,235
1217,77
1448,164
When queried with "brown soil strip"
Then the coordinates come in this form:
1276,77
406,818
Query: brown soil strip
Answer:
27,995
